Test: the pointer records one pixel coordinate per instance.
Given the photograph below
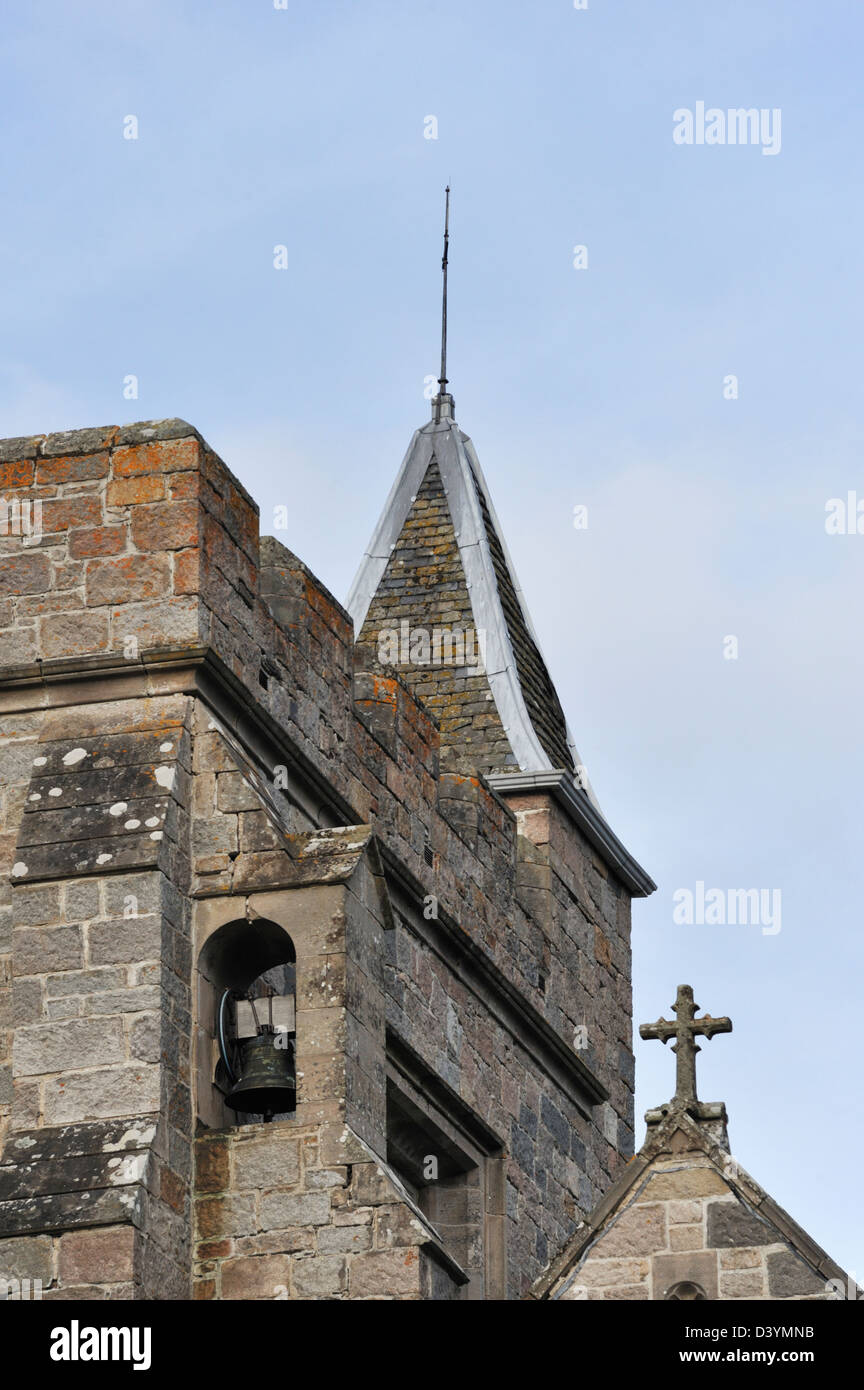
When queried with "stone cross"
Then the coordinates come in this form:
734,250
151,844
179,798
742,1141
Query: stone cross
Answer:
685,1030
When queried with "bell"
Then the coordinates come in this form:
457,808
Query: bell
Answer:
266,1082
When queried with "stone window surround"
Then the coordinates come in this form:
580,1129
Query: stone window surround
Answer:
423,1094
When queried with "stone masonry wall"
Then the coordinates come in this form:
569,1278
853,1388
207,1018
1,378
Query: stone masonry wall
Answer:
149,556
305,1211
686,1224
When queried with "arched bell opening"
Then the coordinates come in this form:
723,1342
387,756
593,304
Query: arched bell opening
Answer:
246,1032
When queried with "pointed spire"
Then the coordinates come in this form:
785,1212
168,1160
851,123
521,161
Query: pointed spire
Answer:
442,405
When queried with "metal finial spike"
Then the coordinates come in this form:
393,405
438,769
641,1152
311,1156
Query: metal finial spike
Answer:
442,380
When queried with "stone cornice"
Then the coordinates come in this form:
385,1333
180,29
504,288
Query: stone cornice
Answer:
560,785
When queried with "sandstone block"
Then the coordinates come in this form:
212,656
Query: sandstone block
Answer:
38,950
76,468
279,1209
344,1239
162,456
127,579
386,1273
67,512
741,1284
102,1255
25,574
266,1162
679,1183
600,1273
62,1046
212,1165
789,1276
26,1257
740,1258
220,1217
730,1223
101,540
255,1277
166,526
686,1212
73,634
685,1237
123,491
319,1277
640,1230
132,1090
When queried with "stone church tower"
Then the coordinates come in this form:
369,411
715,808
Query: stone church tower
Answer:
375,868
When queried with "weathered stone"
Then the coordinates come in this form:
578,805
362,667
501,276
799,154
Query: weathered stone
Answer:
125,940
127,579
691,1266
740,1258
100,1256
25,574
255,1277
277,1242
132,1090
680,1183
741,1284
370,1185
279,1209
266,1162
26,1257
730,1223
212,1165
225,1216
344,1239
36,904
73,634
638,1231
790,1277
81,902
686,1237
687,1212
597,1272
166,526
386,1274
319,1277
39,950
63,1046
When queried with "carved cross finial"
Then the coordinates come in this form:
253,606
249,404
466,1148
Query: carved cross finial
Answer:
685,1030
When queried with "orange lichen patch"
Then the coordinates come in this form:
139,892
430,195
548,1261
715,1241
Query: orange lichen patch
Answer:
128,578
166,526
64,513
103,540
18,473
147,488
601,949
183,485
386,688
164,456
187,572
77,468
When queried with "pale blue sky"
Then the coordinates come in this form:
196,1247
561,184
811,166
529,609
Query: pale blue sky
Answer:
304,127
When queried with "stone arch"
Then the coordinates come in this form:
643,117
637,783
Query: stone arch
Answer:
255,957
